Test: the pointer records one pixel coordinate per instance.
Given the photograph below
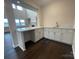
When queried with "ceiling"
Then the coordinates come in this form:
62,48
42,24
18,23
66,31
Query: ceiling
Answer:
40,2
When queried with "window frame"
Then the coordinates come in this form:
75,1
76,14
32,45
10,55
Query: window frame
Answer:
14,6
6,23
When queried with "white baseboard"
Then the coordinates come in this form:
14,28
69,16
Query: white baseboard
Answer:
73,51
23,49
14,46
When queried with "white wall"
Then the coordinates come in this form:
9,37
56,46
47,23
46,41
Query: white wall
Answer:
73,47
39,16
61,11
10,16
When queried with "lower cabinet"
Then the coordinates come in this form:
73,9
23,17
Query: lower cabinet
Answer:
38,34
52,34
57,35
47,33
67,36
60,35
21,42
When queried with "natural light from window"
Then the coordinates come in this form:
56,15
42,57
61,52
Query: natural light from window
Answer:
33,16
22,22
14,6
6,22
19,8
17,22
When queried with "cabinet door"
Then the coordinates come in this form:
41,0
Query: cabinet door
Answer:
51,34
57,35
67,36
38,34
46,33
21,42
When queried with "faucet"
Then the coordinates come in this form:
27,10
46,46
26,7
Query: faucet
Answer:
57,25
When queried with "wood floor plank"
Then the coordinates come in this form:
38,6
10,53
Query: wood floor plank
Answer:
44,49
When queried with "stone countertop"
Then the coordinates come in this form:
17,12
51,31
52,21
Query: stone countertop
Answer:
33,28
26,29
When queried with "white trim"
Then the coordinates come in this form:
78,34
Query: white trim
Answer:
73,51
22,48
14,46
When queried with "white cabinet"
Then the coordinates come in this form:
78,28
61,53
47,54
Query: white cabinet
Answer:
59,34
21,42
26,35
38,34
46,33
67,36
51,34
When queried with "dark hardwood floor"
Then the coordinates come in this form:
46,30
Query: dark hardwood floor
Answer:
9,51
43,49
29,44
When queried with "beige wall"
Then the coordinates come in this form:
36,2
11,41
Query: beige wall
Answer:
61,11
40,17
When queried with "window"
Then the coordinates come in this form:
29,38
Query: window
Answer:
19,8
17,22
14,6
22,22
32,15
6,22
